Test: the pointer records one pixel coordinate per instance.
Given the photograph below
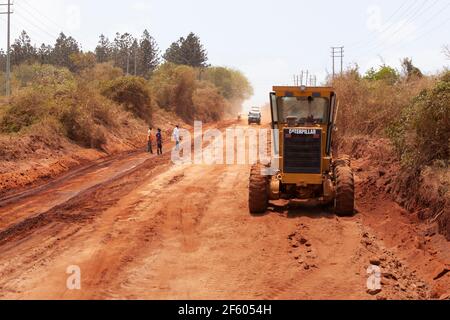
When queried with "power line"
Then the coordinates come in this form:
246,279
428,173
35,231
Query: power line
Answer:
427,32
393,27
57,26
385,47
386,24
33,13
29,17
412,18
41,31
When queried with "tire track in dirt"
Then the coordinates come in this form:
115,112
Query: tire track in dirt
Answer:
88,205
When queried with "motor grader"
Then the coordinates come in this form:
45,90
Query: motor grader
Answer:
303,170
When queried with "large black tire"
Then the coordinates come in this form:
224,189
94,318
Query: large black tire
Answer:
344,203
258,197
343,160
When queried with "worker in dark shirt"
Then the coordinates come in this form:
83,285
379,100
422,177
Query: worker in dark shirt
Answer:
159,142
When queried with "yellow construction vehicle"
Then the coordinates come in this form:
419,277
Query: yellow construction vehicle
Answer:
303,170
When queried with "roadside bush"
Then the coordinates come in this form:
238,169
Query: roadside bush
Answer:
82,113
384,73
369,107
100,73
209,104
26,108
182,89
132,93
173,86
231,84
82,61
421,135
43,76
81,128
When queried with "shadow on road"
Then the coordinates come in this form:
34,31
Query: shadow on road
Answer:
321,212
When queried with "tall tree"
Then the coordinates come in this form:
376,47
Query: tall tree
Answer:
188,51
410,70
148,55
103,51
134,55
22,50
447,52
2,62
64,48
122,51
44,54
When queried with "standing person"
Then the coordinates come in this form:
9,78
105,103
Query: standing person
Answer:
159,142
150,140
176,137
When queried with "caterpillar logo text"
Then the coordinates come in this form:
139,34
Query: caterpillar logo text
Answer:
302,131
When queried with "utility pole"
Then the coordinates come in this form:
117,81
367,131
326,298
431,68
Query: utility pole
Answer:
8,47
337,52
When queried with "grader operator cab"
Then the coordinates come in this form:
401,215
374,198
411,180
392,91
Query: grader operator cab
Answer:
303,119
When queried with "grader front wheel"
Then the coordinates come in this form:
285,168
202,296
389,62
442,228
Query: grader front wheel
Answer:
344,204
343,160
258,198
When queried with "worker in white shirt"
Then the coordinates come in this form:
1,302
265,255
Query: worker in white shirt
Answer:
176,137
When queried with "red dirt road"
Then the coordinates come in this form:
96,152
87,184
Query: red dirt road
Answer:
142,228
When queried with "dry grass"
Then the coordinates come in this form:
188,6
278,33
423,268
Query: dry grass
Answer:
369,107
411,117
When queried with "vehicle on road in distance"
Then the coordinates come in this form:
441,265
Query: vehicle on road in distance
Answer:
254,117
306,170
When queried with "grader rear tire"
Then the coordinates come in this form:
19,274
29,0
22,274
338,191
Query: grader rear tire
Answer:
344,204
258,198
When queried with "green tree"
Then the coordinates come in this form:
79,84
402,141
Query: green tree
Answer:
64,48
422,133
2,62
188,51
44,54
22,50
148,55
173,86
132,93
384,73
122,51
232,84
103,51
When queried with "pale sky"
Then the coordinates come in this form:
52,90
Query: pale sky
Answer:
269,41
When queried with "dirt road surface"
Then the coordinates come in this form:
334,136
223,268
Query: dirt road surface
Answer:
140,227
